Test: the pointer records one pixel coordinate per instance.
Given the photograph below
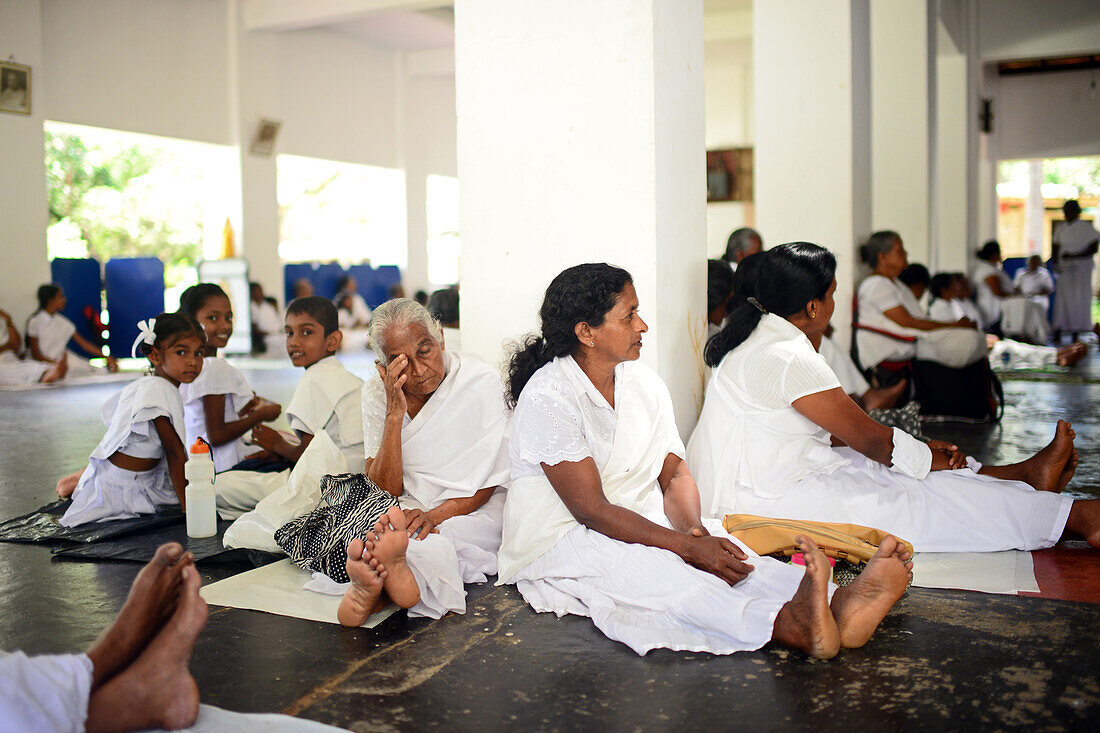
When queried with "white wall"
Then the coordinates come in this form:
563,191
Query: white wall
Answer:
1012,29
730,123
1046,115
187,70
22,170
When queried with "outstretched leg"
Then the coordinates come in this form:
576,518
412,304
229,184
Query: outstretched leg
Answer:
57,371
387,544
883,397
152,600
67,485
1045,469
365,595
805,622
157,690
860,606
1084,519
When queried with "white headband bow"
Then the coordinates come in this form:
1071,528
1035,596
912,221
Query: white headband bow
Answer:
145,335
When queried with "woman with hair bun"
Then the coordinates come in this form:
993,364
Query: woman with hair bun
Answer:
602,517
779,437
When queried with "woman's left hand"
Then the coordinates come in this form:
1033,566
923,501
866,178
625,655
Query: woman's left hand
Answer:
418,524
955,457
266,438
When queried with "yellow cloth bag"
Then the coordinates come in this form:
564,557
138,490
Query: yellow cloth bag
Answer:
769,536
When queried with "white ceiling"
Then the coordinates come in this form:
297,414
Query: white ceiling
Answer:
402,30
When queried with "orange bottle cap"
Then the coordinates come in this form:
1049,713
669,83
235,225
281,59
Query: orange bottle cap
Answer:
200,446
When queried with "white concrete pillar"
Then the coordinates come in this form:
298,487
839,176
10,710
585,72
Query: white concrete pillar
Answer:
581,139
811,66
23,169
951,237
900,129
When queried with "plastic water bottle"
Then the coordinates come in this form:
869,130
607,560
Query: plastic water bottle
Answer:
202,517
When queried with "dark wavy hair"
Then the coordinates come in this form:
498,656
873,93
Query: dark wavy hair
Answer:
989,250
940,284
170,327
195,297
915,274
783,280
579,294
719,283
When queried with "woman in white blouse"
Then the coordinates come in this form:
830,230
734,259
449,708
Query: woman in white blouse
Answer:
779,437
1004,311
602,517
887,304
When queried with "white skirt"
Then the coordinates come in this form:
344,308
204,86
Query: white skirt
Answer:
949,511
648,598
952,347
106,492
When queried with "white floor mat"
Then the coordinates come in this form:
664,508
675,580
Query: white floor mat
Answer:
216,720
277,588
1007,573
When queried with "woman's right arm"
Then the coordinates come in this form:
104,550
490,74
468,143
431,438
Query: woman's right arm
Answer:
578,485
35,353
905,319
385,467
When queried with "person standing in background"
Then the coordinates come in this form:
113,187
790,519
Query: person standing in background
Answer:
1075,244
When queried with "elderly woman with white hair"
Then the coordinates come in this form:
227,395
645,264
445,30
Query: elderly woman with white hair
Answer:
435,433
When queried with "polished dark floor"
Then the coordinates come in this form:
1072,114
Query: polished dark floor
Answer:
942,659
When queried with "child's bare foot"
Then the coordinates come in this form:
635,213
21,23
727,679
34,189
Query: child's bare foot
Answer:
67,485
1071,354
364,597
805,622
57,371
1044,470
387,544
153,597
860,606
884,397
157,690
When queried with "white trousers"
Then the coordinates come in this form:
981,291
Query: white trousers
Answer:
953,347
46,693
949,511
1008,354
107,492
237,492
648,598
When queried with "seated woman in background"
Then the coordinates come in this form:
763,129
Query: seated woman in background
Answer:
220,406
1035,283
602,518
1004,311
14,369
719,291
435,433
138,465
885,303
951,301
49,334
779,437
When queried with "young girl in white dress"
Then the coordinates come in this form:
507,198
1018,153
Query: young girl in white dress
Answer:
49,333
779,437
602,517
138,466
220,406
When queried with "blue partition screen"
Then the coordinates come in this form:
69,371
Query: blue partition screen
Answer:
135,291
374,283
83,286
385,277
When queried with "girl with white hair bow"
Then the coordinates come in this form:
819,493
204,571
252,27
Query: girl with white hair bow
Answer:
138,465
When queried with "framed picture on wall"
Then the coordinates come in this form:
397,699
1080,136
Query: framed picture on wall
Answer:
729,175
15,88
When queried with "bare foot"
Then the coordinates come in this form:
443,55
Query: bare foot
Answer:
152,600
57,371
157,690
1044,470
364,597
66,486
387,544
1071,354
884,397
860,606
1067,472
805,622
1084,519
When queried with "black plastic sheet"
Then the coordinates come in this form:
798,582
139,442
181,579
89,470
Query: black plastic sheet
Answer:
140,546
43,526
